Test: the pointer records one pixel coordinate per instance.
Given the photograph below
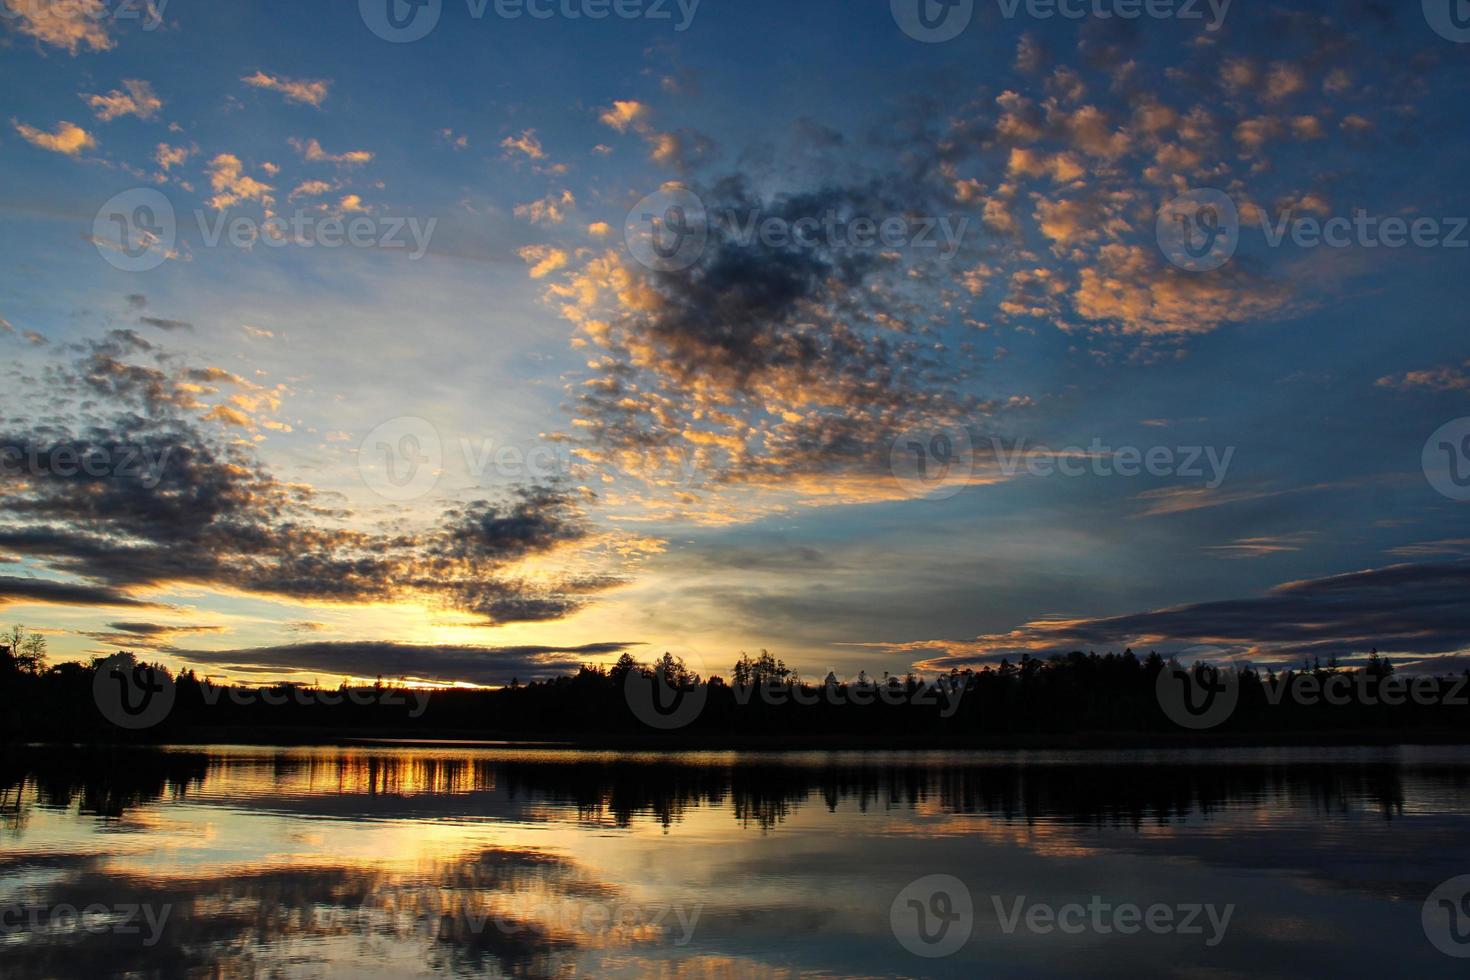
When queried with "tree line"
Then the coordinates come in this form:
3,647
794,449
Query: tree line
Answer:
1065,696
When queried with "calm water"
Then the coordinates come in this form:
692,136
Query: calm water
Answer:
454,861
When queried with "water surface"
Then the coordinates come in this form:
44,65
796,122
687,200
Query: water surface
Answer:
435,861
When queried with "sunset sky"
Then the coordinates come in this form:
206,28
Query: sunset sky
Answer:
613,454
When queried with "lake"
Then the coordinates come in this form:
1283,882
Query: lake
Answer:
455,860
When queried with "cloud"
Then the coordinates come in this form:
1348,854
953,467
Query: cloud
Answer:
626,114
765,366
232,185
550,210
153,636
1444,377
67,24
169,157
183,502
311,92
1135,289
544,259
312,152
1264,546
15,590
69,138
526,143
154,629
163,324
1398,609
429,663
311,188
139,100
683,150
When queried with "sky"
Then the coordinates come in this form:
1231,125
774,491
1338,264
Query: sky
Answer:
462,342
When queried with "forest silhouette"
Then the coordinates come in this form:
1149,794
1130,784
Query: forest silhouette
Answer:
1076,696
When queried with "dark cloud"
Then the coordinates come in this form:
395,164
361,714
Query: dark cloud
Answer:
164,324
1402,609
437,664
134,488
684,150
774,356
13,589
154,629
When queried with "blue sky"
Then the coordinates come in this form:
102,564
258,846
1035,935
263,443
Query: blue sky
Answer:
703,458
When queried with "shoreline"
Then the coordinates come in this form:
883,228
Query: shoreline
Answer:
1080,741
